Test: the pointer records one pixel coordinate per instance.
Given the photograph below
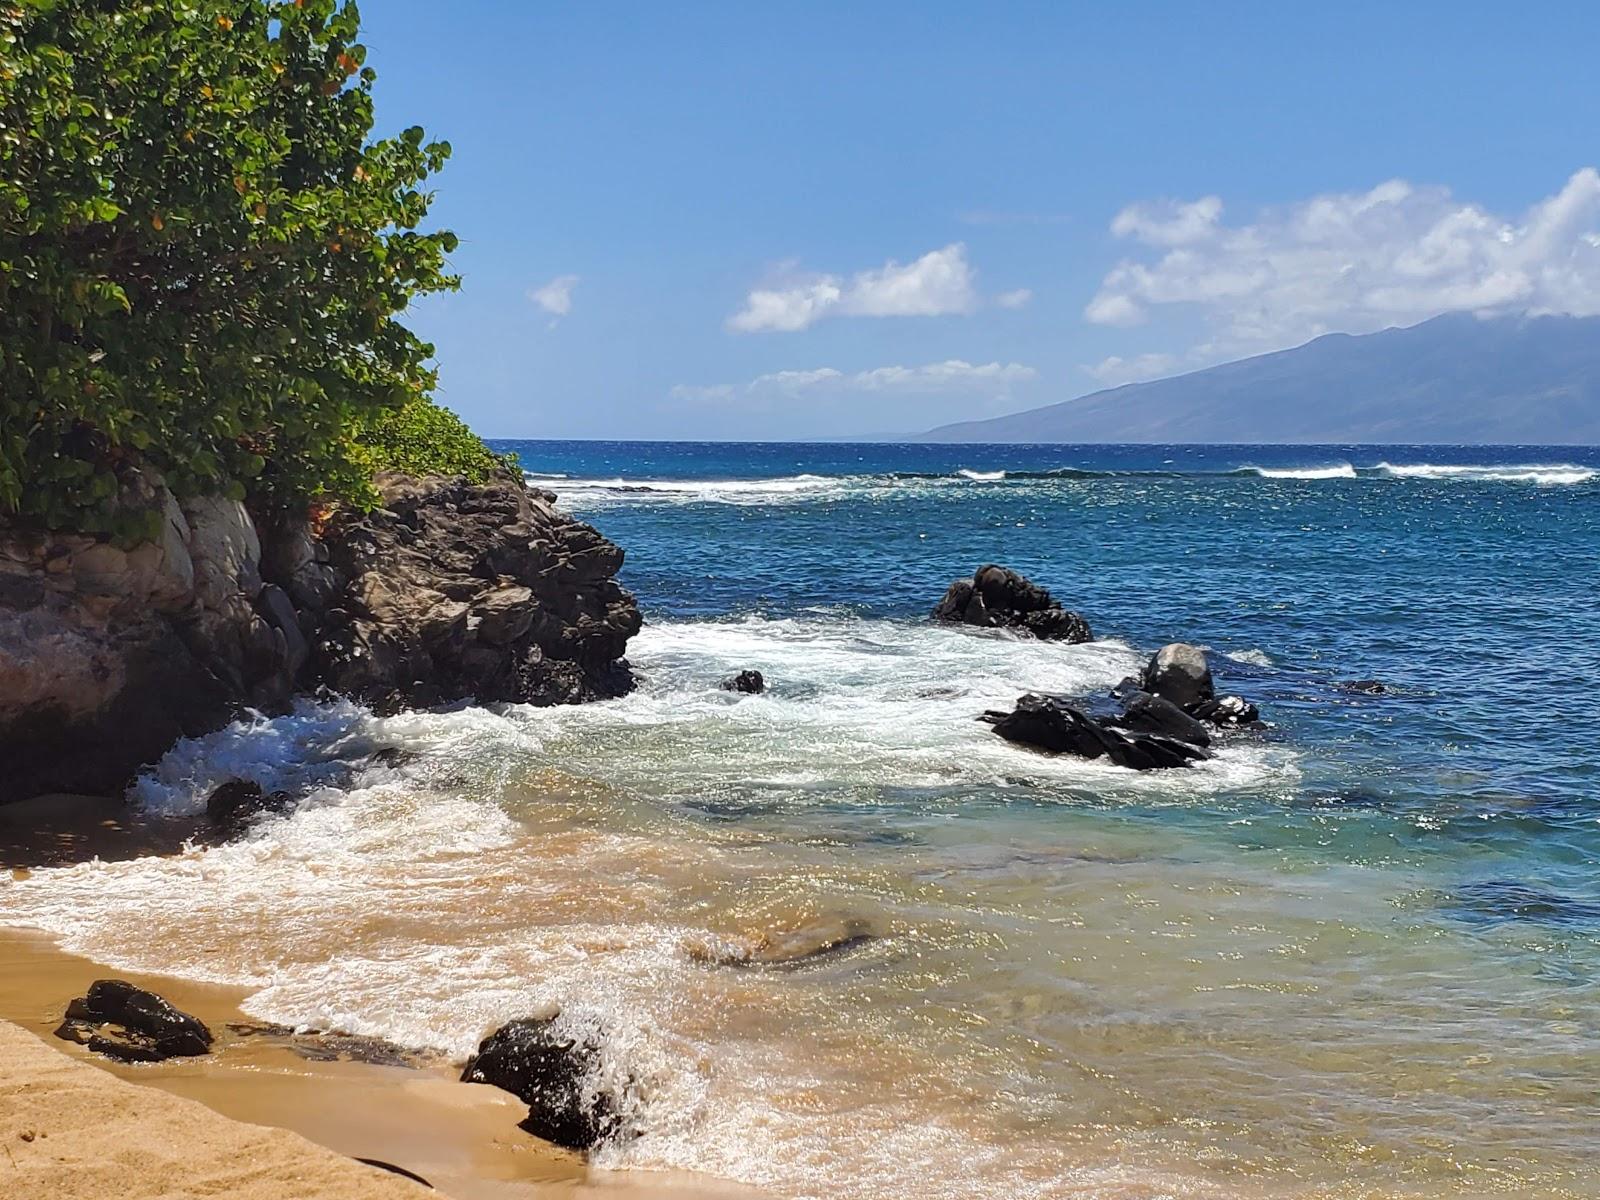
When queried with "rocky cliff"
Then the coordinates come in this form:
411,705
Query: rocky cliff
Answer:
448,591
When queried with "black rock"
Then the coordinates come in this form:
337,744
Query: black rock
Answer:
1226,710
132,1025
238,802
750,682
1180,673
1053,725
547,1069
1156,714
390,756
996,597
1366,687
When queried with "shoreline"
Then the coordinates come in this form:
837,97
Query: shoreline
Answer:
258,1094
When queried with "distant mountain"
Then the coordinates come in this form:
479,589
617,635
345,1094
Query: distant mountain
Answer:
1456,379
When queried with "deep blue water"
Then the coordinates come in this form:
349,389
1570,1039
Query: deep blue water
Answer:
1464,578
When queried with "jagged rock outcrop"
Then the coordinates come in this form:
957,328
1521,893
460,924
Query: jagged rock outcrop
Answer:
996,597
448,591
452,590
553,1072
1050,724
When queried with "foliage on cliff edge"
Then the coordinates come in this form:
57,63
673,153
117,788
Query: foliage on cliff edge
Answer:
203,257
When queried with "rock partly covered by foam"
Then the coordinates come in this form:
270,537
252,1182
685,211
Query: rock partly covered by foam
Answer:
1051,724
1163,723
452,590
996,597
556,1073
751,683
130,1024
448,591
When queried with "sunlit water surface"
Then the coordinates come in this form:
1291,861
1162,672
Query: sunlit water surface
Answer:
1355,955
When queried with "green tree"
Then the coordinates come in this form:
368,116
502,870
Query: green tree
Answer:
203,256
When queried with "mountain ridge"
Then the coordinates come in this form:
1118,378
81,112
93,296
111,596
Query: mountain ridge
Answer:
1456,379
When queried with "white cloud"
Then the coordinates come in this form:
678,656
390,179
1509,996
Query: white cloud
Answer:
1116,370
555,297
1354,262
937,284
1016,299
1169,222
952,377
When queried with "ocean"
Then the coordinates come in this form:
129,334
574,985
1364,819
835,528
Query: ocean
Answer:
1355,955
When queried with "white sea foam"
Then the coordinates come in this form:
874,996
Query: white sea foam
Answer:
1340,471
981,476
1255,658
1541,474
428,902
619,490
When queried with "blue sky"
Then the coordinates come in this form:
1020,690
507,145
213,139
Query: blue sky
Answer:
752,220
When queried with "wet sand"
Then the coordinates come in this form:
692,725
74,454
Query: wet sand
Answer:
156,1140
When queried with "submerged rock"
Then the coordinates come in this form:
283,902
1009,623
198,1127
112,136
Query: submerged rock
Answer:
789,949
996,597
1365,687
751,683
131,1024
235,804
1050,724
1494,901
324,1046
554,1073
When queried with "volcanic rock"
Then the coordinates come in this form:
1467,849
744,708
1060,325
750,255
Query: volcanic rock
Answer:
1051,724
552,1072
1226,710
235,804
1146,713
996,597
448,591
1180,673
130,1024
749,682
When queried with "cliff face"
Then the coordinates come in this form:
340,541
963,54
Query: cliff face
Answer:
449,591
452,591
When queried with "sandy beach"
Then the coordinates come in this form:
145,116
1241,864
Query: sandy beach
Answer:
69,1130
256,1120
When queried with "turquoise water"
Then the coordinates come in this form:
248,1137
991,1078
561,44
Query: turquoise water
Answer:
1356,955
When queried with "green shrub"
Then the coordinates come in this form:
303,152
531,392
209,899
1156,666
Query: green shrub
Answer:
423,438
203,257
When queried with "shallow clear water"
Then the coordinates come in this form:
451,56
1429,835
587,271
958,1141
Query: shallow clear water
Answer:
1356,955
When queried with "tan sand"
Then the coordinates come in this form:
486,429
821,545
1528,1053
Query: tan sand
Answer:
194,1127
68,1131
